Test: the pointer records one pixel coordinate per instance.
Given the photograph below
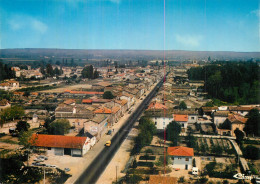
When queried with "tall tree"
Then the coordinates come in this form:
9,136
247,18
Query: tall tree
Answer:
96,74
239,136
182,105
22,126
252,126
49,70
172,132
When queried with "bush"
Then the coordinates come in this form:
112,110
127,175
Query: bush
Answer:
251,152
147,158
145,164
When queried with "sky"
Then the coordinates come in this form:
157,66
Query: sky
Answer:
199,25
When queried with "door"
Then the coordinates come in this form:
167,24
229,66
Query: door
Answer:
67,151
186,166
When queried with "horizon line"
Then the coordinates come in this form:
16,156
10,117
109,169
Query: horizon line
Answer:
132,50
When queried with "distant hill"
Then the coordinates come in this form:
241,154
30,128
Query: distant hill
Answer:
178,55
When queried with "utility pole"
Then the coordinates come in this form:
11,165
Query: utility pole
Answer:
116,174
43,175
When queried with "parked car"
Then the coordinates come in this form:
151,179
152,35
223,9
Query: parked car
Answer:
109,132
67,169
39,159
42,157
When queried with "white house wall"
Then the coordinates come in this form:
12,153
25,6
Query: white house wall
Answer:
180,162
161,122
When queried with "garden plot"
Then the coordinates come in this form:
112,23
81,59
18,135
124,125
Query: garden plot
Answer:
220,147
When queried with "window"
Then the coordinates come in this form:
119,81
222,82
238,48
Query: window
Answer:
78,123
155,123
163,123
187,159
192,118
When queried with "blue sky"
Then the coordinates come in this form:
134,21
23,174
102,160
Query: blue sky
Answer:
200,25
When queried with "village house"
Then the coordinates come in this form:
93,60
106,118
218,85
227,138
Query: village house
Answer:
9,85
181,157
182,119
242,110
76,114
97,126
30,73
130,99
123,105
160,118
233,122
219,117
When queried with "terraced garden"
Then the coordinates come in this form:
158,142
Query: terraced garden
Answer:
217,147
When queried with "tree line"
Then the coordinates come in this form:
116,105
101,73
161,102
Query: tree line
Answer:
88,72
6,72
233,82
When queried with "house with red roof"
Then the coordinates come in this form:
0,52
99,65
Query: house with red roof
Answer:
182,119
180,157
63,145
234,121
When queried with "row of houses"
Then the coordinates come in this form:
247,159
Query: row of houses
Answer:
90,115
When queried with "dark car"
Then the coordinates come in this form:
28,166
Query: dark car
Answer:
109,132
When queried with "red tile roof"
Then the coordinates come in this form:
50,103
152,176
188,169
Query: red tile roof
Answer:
58,141
157,179
103,110
180,151
156,105
84,92
115,109
180,117
236,118
88,101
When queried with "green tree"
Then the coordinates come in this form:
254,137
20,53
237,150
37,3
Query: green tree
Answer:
96,74
239,136
11,113
182,105
22,126
59,127
172,132
108,95
42,70
87,72
26,141
251,152
49,70
252,126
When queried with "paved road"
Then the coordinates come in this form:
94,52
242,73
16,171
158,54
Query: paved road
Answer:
95,169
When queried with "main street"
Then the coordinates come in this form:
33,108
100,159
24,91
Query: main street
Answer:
95,169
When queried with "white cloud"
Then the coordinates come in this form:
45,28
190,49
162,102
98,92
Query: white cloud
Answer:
15,25
19,22
39,26
189,40
255,12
